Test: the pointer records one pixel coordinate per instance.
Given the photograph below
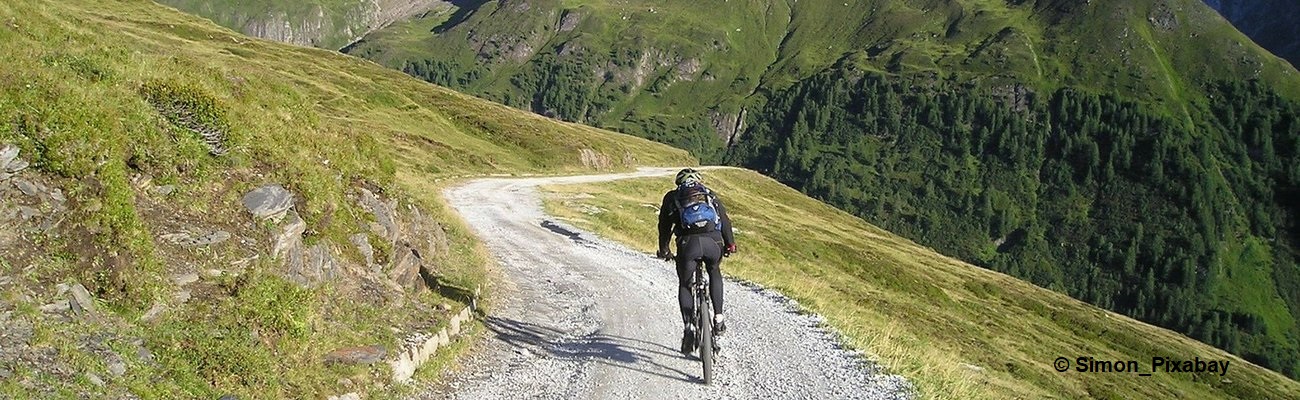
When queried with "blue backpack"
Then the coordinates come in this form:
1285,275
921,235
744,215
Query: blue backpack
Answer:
696,208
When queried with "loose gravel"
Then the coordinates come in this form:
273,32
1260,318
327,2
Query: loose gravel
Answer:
583,317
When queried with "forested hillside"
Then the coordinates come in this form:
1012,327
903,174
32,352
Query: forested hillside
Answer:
1098,197
1139,155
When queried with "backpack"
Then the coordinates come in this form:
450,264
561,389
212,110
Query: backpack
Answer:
696,209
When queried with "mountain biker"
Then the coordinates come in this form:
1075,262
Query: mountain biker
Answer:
709,243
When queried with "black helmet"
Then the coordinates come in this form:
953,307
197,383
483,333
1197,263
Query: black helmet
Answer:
687,175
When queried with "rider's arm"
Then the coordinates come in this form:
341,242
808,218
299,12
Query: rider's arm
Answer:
666,221
727,237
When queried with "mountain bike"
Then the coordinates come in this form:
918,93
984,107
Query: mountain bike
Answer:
704,340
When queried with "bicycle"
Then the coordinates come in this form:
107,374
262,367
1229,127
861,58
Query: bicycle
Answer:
704,340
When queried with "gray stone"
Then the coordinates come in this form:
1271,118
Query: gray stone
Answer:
362,241
228,397
182,280
143,353
55,307
28,188
164,190
81,301
385,214
357,355
268,201
290,236
27,213
116,367
211,238
349,396
405,268
94,379
182,296
153,312
57,196
7,154
15,166
6,374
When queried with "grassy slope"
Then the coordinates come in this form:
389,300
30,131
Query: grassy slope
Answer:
315,121
923,314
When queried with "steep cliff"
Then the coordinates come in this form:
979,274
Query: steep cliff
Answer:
329,24
1274,24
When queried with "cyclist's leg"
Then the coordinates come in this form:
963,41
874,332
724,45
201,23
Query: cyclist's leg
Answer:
688,250
712,251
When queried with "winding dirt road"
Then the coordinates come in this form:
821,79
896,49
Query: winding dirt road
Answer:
582,317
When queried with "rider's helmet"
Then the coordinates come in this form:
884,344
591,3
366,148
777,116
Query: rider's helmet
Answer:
687,175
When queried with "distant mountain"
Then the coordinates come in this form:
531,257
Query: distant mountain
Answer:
1274,24
330,24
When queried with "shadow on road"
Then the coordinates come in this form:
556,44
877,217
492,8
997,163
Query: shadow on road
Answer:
562,231
628,353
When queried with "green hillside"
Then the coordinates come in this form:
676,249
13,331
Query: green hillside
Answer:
955,330
1138,155
139,121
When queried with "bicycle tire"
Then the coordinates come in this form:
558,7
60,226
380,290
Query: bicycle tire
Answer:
706,339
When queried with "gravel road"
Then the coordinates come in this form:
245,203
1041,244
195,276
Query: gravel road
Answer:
583,317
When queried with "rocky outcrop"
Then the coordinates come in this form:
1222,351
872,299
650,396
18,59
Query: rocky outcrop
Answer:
728,127
331,27
1271,23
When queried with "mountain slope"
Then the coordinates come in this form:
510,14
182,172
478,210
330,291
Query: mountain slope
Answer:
129,263
673,69
328,24
1271,23
1134,154
955,330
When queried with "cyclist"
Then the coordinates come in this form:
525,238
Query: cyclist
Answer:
709,242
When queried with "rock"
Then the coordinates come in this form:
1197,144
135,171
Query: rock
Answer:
362,241
55,307
357,355
192,240
7,154
81,301
385,214
228,397
57,196
143,353
28,188
153,312
6,374
269,201
182,296
164,190
406,268
345,382
210,239
349,396
214,273
15,166
27,213
290,236
182,280
94,379
116,367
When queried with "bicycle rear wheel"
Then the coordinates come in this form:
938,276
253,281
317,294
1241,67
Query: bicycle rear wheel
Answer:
706,338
